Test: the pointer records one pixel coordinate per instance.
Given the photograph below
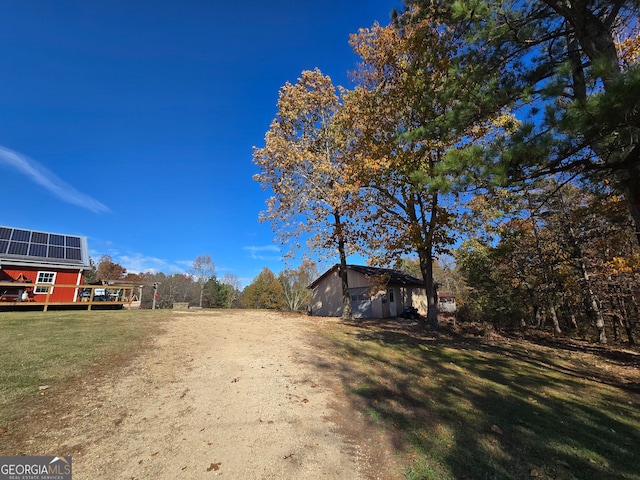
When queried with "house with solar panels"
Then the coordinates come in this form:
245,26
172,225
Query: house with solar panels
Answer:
44,270
34,263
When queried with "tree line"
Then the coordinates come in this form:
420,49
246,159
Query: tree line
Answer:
201,287
504,134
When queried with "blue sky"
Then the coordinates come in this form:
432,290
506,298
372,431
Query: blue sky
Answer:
132,123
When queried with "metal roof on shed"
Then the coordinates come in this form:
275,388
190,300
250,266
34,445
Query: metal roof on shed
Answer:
392,277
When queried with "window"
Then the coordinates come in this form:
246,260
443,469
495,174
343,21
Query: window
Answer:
45,277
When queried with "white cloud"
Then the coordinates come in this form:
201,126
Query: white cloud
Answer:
185,264
262,252
138,263
46,179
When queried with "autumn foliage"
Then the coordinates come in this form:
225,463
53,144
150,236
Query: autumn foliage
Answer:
503,134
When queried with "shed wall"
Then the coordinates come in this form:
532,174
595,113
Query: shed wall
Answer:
326,297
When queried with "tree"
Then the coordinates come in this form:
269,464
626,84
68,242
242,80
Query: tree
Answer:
557,64
108,270
90,275
445,274
402,177
229,290
302,163
264,292
569,251
203,269
221,293
295,284
178,287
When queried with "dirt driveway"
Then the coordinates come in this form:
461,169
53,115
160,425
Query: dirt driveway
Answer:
241,395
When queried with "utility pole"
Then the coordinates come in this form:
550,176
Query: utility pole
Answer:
155,296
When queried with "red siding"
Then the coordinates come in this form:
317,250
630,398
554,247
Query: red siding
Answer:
63,277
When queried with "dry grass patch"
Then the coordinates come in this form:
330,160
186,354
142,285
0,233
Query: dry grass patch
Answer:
42,351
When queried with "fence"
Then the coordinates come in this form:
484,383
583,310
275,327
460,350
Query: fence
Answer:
20,295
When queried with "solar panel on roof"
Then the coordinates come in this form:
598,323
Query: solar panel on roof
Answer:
32,244
56,252
37,250
73,242
56,239
39,237
18,248
21,235
74,254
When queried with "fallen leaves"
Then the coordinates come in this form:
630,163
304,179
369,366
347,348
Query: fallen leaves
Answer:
497,429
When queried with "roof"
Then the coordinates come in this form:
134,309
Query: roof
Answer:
31,248
393,277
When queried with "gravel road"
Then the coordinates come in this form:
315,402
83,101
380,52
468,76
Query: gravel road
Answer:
232,394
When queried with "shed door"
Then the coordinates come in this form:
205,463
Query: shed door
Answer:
361,303
391,297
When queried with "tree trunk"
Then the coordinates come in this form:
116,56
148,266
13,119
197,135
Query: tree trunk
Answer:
347,314
426,268
600,326
554,319
632,195
593,34
616,322
628,328
582,266
574,323
595,37
593,303
536,316
634,312
540,315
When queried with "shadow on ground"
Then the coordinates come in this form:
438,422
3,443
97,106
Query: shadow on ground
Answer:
467,407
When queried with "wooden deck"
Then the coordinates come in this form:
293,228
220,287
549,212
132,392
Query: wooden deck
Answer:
86,297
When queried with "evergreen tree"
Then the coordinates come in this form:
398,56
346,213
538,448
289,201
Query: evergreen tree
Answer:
264,292
556,63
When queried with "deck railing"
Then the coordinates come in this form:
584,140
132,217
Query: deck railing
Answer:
12,293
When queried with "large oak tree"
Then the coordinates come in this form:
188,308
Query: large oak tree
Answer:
403,177
302,164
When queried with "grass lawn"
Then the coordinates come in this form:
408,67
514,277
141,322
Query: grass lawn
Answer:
39,349
493,407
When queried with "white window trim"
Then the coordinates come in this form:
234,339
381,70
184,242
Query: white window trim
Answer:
50,278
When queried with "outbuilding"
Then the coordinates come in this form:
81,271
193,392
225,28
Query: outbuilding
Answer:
374,292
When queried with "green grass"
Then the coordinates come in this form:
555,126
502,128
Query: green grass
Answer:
51,348
467,408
